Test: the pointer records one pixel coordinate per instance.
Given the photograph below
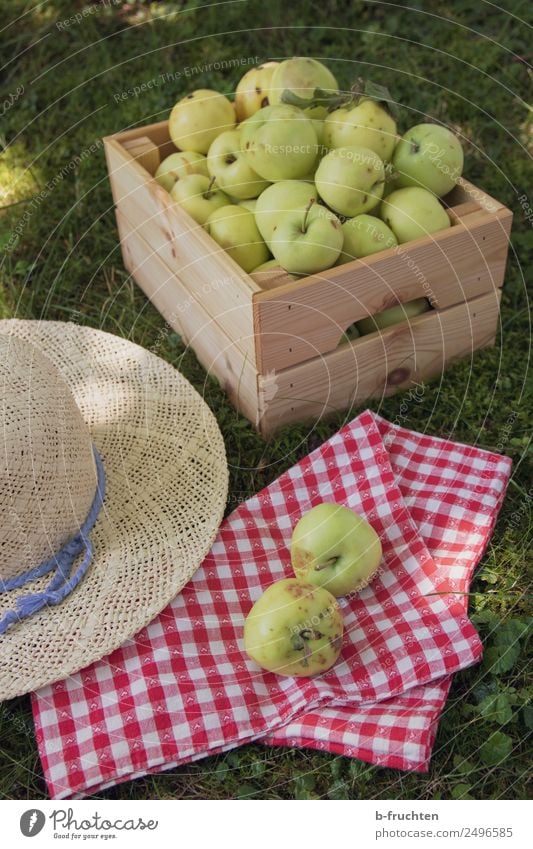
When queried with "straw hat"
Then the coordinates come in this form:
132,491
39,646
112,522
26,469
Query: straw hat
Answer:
113,483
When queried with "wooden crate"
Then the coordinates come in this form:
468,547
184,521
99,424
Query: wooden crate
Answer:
276,346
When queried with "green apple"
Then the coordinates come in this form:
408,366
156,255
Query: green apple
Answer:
179,165
364,235
294,628
227,164
197,119
429,156
269,265
198,196
350,334
320,129
351,180
368,124
306,241
413,212
251,93
394,315
335,548
285,196
391,183
248,204
280,143
300,76
234,229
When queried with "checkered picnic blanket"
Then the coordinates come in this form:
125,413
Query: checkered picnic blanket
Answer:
184,688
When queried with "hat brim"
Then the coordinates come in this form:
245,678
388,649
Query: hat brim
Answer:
166,490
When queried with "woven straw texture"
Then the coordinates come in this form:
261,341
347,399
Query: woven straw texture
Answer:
166,491
47,470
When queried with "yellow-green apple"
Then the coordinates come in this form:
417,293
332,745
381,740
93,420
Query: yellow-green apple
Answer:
197,119
248,204
269,265
394,315
320,129
281,197
368,124
295,628
350,333
335,548
351,180
299,77
234,229
305,241
179,165
364,235
227,164
429,156
280,143
391,183
413,212
251,93
198,196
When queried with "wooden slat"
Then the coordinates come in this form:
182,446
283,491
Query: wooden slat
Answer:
157,133
272,278
456,213
218,354
145,152
466,192
377,365
211,276
299,320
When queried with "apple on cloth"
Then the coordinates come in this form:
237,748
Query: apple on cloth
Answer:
453,492
184,688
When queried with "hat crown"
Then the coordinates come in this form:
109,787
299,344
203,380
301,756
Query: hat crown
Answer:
47,468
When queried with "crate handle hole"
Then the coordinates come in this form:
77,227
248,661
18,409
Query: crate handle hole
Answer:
348,335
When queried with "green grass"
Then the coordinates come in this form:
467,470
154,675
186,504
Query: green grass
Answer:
461,62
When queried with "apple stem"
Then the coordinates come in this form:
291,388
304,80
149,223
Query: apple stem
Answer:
300,642
307,208
326,564
208,192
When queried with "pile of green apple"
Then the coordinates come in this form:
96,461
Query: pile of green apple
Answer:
296,627
298,175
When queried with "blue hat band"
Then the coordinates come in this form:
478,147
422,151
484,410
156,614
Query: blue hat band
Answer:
63,582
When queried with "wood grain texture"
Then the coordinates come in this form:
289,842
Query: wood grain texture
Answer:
211,276
466,192
273,342
272,278
307,317
157,133
377,365
145,152
219,355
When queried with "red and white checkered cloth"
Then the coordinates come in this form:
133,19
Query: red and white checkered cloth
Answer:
184,688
